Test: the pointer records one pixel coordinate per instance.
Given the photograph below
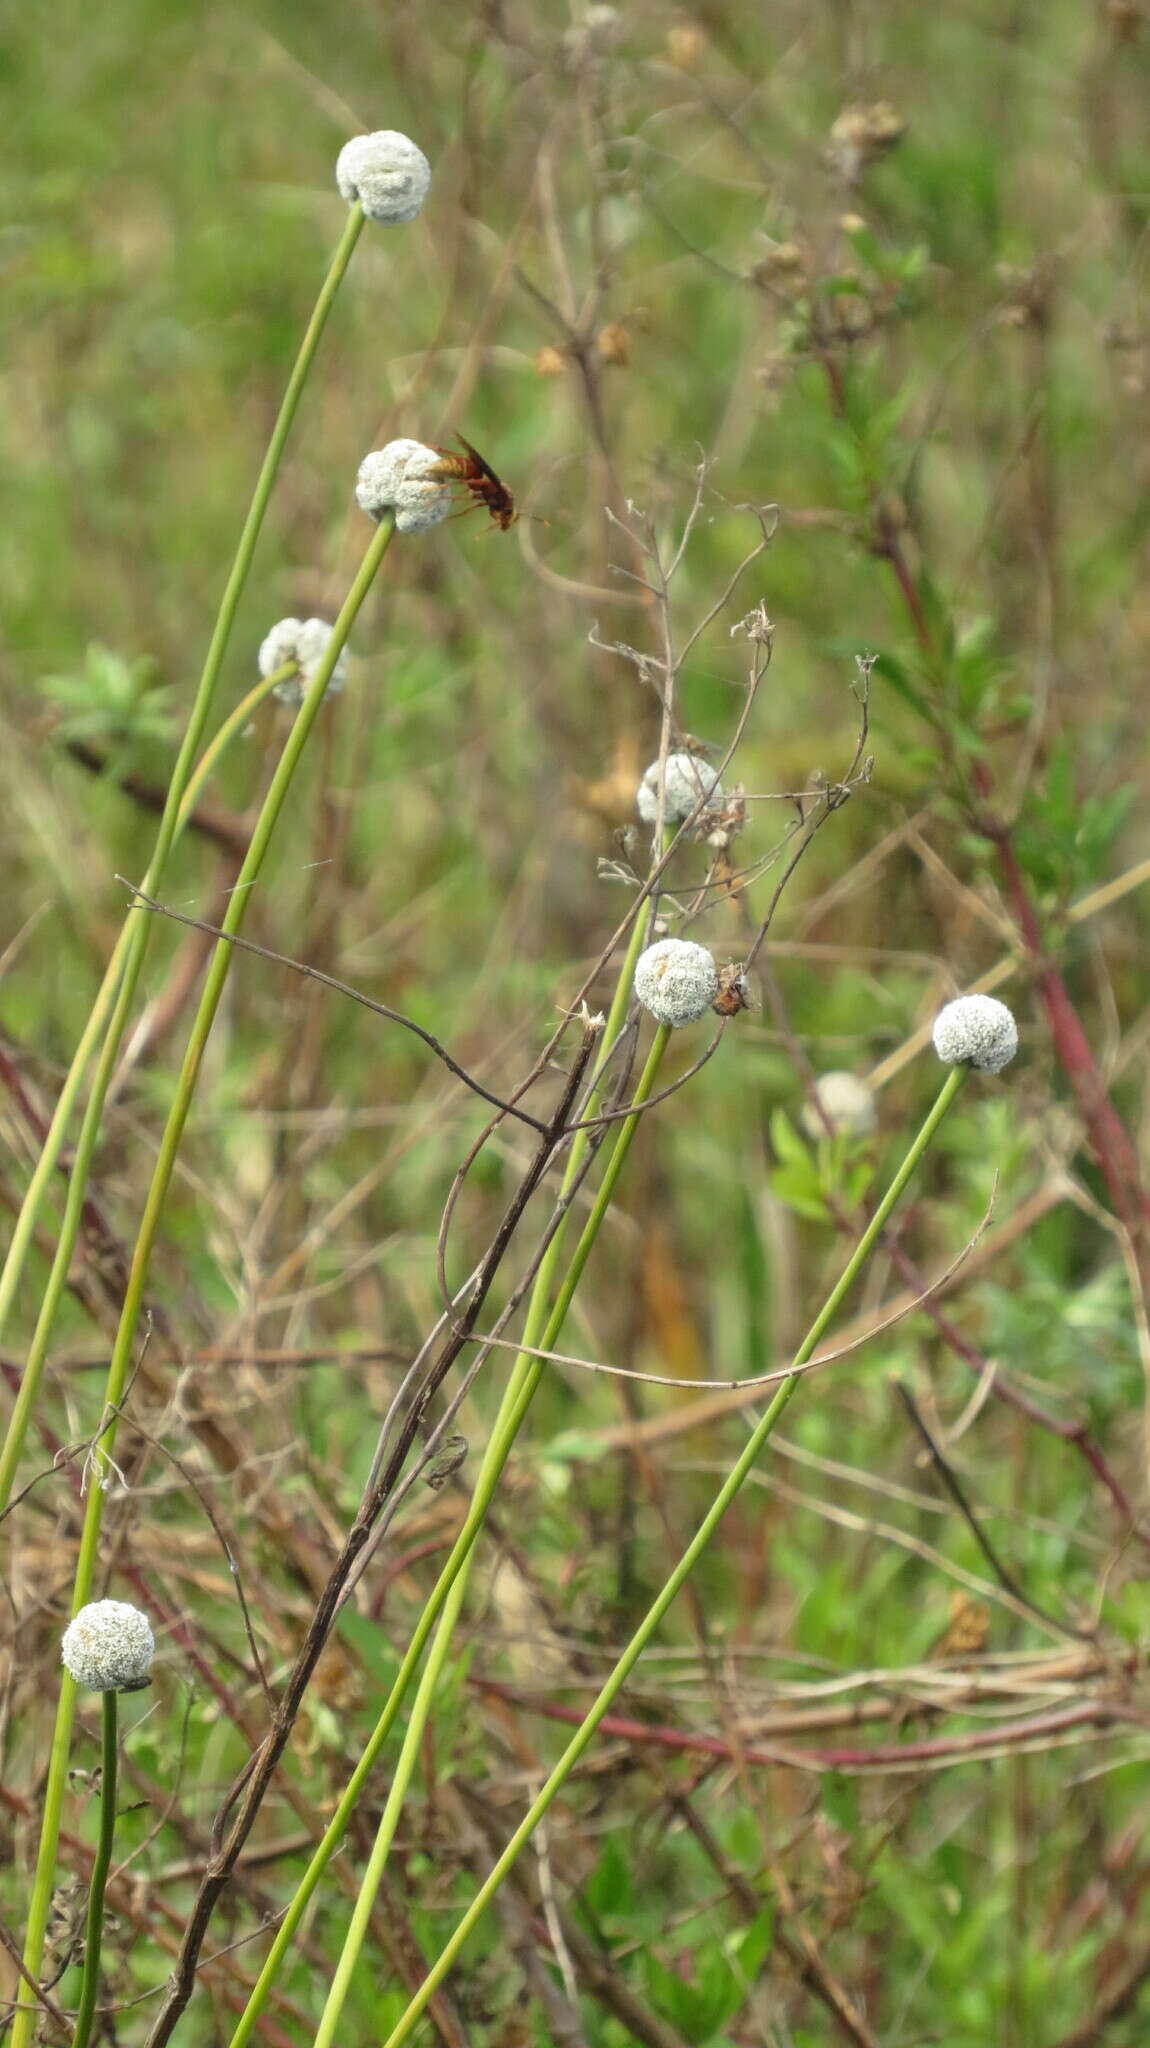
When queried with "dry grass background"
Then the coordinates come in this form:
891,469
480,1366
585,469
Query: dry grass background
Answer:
885,269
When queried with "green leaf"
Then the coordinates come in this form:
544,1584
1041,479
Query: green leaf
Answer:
111,700
799,1190
608,1890
749,1948
889,669
789,1146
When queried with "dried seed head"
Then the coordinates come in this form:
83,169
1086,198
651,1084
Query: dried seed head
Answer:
387,172
976,1031
861,136
109,1647
614,344
685,44
303,641
677,981
846,1104
780,262
395,479
688,779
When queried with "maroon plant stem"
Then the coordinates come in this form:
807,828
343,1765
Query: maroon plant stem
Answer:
1003,1386
1110,1141
1029,1728
1005,1389
1102,1712
888,548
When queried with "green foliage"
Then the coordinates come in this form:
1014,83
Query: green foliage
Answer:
114,701
1065,837
941,386
817,1179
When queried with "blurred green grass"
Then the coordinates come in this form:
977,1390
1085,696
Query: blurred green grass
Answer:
169,207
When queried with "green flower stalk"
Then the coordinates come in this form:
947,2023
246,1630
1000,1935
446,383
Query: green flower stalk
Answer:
97,1884
542,1328
517,1399
113,1005
585,1733
108,1647
124,1346
233,727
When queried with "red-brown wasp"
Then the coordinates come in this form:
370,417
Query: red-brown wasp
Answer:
479,478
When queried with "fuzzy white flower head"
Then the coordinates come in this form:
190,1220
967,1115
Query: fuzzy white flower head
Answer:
598,28
676,980
387,172
976,1031
394,479
846,1104
303,641
688,779
109,1647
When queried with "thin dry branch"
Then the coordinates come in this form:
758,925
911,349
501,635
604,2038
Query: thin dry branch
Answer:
343,988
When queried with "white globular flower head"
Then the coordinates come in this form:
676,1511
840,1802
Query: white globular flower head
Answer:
395,479
303,641
687,779
676,980
842,1101
109,1647
387,172
976,1031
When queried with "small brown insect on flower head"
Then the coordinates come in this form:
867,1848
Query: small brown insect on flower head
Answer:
734,995
478,479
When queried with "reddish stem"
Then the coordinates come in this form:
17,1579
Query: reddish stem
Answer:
1110,1141
1099,1712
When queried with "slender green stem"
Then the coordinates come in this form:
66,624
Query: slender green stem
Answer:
22,1407
529,1372
114,1003
232,728
544,1278
100,1867
441,1601
114,992
124,1346
585,1733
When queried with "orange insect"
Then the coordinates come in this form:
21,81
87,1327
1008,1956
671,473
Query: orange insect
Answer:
479,478
734,994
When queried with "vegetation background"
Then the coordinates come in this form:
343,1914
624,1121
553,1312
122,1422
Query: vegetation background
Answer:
881,266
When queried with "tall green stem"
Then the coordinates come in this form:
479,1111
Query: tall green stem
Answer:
124,1345
114,1002
22,1407
441,1601
585,1733
100,1867
528,1372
